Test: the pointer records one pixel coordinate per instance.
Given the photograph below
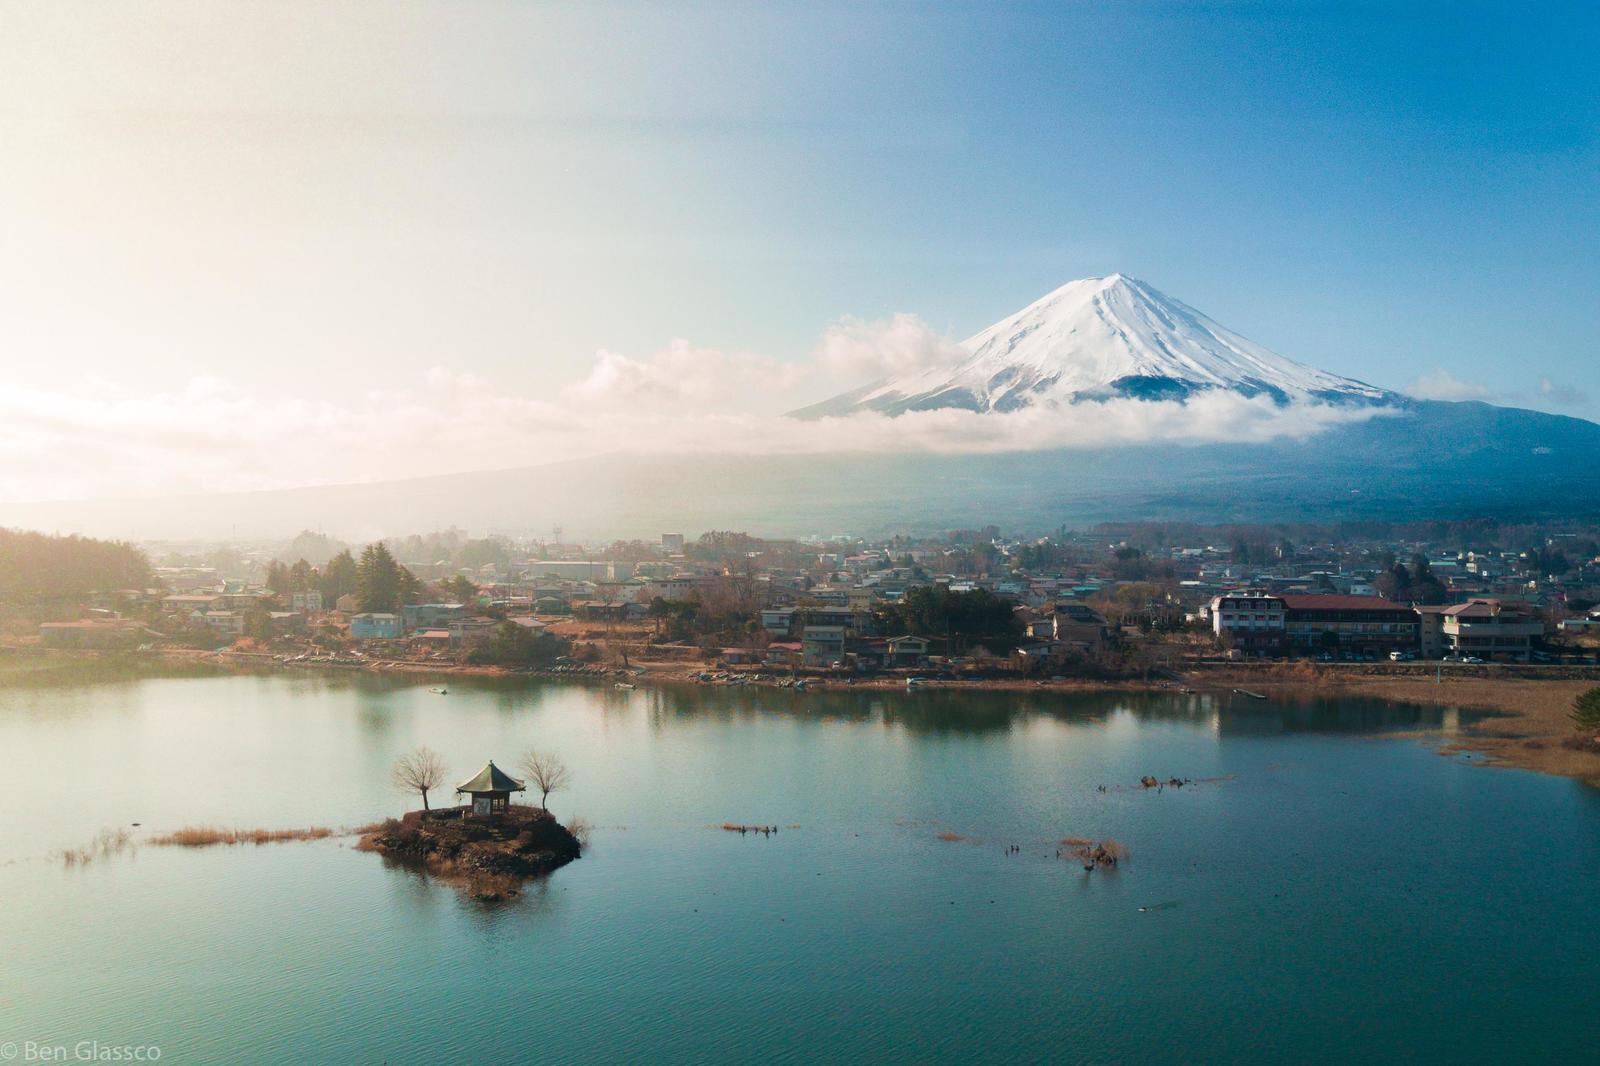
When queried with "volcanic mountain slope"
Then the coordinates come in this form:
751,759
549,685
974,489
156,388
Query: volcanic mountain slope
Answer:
1095,339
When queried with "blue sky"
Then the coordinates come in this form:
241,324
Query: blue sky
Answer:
299,201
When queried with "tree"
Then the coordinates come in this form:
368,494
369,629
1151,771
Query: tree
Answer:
511,644
338,577
418,771
382,583
39,569
1586,710
258,623
301,576
546,772
459,589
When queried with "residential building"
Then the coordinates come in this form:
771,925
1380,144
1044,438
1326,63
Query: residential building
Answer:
191,603
230,623
777,620
822,645
907,651
1077,623
306,602
1492,630
431,615
375,625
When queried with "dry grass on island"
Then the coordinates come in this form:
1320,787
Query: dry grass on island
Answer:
486,859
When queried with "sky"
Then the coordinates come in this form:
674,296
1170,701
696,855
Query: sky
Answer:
248,245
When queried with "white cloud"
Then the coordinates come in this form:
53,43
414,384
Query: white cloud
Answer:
1562,395
1443,385
905,344
209,435
680,376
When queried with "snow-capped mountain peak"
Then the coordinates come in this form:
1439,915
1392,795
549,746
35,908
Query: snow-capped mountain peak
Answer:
1096,338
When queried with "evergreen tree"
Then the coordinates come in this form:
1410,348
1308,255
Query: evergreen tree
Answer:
382,584
338,577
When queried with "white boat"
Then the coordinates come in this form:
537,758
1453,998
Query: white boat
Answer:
624,686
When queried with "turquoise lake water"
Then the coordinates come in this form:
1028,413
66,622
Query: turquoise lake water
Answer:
1324,892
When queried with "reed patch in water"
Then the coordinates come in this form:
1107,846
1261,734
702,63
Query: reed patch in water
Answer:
108,842
205,836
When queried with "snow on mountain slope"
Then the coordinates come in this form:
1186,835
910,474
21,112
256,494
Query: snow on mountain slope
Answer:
1095,339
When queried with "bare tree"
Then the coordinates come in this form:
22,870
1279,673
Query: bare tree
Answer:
418,771
546,772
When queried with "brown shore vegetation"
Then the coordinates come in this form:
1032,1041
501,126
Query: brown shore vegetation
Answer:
1528,721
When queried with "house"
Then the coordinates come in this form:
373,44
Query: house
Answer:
777,620
1038,651
229,623
601,610
375,625
191,603
432,640
831,616
431,615
1252,621
305,602
349,603
785,653
464,631
1492,629
1077,623
550,605
822,645
907,651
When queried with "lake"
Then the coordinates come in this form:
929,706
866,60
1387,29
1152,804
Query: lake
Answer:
1330,888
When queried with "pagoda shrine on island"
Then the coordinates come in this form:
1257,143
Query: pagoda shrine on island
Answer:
490,789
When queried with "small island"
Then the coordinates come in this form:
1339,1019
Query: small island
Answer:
486,847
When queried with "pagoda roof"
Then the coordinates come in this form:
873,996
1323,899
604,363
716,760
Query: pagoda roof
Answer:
491,779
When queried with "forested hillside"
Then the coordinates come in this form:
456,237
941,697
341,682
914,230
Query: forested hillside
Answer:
36,568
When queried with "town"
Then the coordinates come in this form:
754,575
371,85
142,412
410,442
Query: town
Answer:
1114,602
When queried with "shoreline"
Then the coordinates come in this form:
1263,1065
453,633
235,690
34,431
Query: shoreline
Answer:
1524,723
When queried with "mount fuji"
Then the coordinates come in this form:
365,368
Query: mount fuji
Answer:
1100,339
1097,339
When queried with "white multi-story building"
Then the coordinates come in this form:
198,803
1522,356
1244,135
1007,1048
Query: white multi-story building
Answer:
1252,620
